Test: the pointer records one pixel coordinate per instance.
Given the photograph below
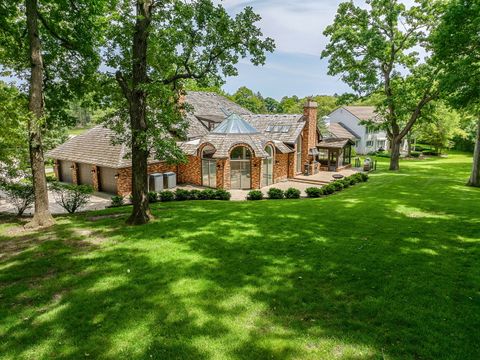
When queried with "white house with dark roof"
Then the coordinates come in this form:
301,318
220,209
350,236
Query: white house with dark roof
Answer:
348,120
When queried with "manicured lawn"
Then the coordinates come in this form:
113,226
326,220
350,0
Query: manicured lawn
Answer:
386,269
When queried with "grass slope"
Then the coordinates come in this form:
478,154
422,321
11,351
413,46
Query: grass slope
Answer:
386,269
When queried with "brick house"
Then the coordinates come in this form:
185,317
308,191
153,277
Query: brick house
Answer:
226,146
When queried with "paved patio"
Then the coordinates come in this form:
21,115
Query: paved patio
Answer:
100,201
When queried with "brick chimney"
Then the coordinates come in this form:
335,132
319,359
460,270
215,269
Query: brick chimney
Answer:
310,133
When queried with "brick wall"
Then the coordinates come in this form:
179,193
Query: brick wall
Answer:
95,181
309,133
124,182
191,172
280,167
256,172
222,170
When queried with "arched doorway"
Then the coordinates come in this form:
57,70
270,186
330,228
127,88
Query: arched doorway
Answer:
240,168
209,167
299,154
267,167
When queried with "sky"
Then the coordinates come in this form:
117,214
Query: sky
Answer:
295,68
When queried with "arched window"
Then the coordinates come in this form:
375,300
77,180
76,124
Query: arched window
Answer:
240,168
267,167
209,167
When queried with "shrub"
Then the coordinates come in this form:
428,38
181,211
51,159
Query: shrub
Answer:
152,197
194,194
292,193
352,179
71,197
328,189
207,194
117,201
384,154
20,195
275,193
345,182
337,185
222,194
255,195
166,195
314,192
182,195
364,177
415,154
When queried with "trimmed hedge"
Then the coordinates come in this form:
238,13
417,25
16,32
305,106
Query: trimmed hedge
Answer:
292,193
255,195
275,194
166,195
152,197
182,195
338,185
221,194
314,192
117,201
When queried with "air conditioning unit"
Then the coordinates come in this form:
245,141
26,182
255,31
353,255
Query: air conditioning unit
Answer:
169,180
155,182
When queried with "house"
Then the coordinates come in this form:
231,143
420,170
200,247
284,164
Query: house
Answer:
226,147
349,121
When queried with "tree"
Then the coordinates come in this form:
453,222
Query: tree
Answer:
154,46
71,197
20,195
456,46
271,105
374,49
439,127
51,45
249,100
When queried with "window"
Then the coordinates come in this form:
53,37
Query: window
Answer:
371,130
209,167
240,153
240,168
267,164
381,144
299,154
357,143
369,143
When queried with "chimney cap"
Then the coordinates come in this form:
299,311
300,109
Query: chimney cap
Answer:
311,104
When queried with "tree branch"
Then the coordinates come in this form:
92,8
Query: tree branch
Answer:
67,44
124,86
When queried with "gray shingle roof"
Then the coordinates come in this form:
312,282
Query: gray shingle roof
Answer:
365,113
340,130
262,123
333,143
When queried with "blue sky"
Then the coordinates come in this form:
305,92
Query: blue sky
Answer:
295,68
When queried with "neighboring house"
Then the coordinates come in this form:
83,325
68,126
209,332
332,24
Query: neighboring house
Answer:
366,139
226,146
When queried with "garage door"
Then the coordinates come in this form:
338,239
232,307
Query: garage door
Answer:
65,171
108,183
85,174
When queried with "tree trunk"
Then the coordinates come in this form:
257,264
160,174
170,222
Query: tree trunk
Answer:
138,107
42,216
395,154
475,177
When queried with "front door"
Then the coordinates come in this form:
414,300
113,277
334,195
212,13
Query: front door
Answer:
209,173
240,174
332,161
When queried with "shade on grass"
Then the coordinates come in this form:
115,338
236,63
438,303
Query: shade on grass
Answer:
385,269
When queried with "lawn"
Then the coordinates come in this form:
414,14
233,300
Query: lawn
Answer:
388,269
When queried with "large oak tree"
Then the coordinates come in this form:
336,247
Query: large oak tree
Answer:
51,45
374,49
457,48
156,45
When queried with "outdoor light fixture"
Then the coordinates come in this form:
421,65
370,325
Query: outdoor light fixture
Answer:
93,171
117,175
72,167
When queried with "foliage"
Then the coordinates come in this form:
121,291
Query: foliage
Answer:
275,193
375,49
314,192
182,195
222,194
117,201
255,195
292,193
207,194
14,158
249,100
166,195
21,195
195,194
152,197
338,185
71,197
329,189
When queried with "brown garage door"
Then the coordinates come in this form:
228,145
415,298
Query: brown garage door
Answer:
108,183
65,171
85,174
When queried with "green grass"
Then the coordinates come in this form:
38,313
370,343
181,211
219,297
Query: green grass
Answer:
387,269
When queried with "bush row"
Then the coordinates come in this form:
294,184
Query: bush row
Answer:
179,195
274,194
338,185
